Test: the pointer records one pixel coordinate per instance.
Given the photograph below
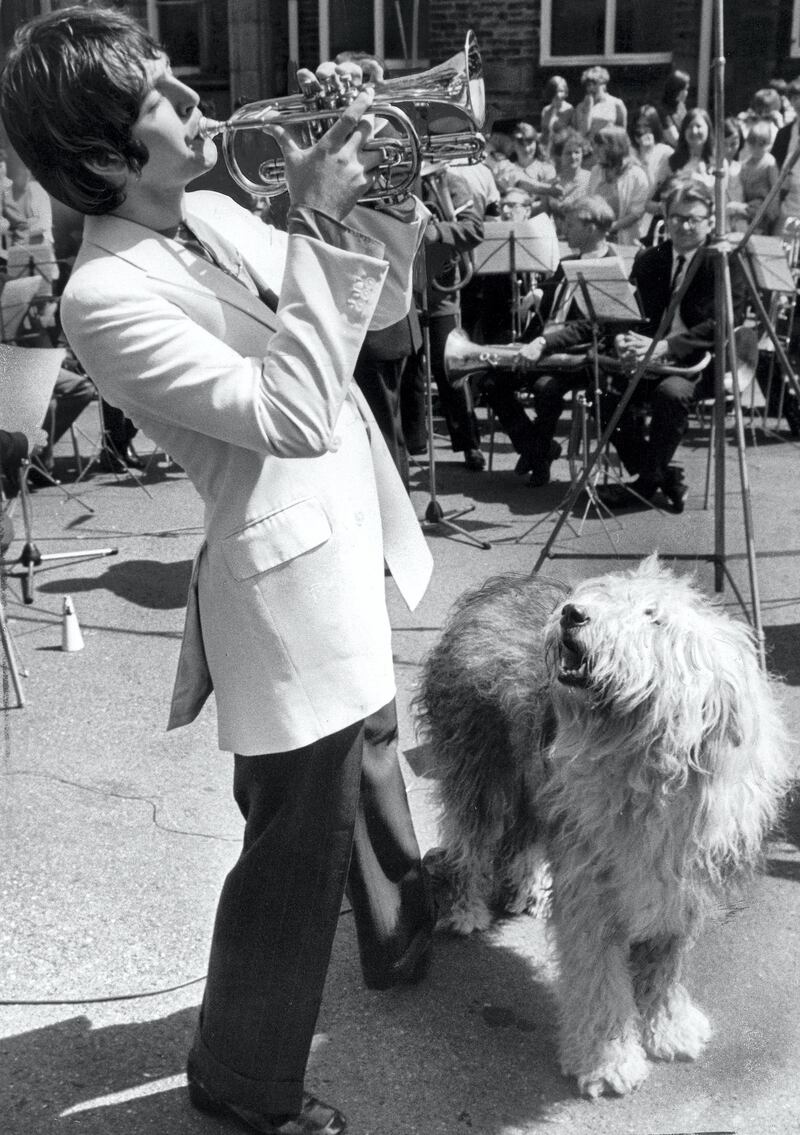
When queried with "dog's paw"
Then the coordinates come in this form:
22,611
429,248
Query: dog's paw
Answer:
678,1033
462,919
622,1068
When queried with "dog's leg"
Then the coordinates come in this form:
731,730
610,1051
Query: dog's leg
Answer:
599,1022
527,882
674,1028
469,871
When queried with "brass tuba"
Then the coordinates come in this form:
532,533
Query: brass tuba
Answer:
435,115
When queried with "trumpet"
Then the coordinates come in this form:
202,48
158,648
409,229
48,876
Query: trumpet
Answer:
435,115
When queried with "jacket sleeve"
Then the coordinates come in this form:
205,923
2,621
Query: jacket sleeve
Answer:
151,355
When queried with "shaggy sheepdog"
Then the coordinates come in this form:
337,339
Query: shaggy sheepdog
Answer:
614,753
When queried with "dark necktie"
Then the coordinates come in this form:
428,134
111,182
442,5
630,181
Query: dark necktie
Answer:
676,275
189,239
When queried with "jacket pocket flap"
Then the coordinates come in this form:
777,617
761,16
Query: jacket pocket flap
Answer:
276,538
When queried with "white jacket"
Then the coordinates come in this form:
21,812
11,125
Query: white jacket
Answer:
286,614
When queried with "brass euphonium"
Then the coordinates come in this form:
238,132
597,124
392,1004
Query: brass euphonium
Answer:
463,358
435,115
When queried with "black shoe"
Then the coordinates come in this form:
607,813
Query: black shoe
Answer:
114,461
531,461
474,460
409,969
619,497
676,491
316,1118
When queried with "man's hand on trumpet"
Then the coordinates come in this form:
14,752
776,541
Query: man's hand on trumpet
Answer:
333,173
631,347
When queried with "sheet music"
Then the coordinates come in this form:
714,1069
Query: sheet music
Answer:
27,378
15,299
612,295
770,263
535,247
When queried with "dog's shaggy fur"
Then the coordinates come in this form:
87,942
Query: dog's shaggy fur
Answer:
623,734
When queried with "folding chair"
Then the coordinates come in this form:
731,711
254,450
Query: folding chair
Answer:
27,378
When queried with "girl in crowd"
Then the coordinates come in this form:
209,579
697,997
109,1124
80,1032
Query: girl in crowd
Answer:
653,155
694,153
557,112
673,105
598,108
620,180
736,207
571,180
759,173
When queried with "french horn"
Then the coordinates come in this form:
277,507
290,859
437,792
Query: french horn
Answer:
434,115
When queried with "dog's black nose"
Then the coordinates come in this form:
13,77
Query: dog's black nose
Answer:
572,616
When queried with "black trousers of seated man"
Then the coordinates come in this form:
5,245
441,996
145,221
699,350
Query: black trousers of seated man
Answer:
531,438
318,820
646,450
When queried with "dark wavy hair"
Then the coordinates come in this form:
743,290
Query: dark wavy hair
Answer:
648,117
680,157
70,93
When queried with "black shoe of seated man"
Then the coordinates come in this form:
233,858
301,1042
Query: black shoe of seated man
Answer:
675,489
409,969
530,461
474,461
619,497
316,1118
791,412
113,461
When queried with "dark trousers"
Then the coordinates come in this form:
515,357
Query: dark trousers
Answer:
379,380
332,814
668,401
530,438
455,401
72,393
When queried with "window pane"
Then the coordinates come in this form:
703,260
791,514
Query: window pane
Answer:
179,30
352,26
643,27
400,27
577,27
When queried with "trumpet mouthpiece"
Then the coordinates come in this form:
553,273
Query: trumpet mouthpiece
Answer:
209,128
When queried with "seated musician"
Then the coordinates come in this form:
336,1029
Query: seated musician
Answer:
657,272
587,222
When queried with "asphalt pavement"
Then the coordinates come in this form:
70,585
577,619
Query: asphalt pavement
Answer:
116,835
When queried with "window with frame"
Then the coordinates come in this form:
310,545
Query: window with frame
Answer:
395,30
194,33
578,32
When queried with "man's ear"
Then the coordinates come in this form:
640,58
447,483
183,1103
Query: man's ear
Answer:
111,168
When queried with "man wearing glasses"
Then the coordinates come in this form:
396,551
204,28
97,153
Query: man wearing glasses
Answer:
658,273
646,450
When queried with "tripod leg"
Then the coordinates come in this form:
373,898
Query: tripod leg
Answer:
10,652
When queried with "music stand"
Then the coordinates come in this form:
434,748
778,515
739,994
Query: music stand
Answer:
510,247
766,267
605,296
27,378
17,297
32,260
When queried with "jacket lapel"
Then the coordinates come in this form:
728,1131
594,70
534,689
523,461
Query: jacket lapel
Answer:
162,258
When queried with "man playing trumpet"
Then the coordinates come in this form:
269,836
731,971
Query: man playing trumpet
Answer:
170,310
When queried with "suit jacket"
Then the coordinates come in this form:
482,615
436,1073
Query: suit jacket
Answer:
780,147
287,615
652,275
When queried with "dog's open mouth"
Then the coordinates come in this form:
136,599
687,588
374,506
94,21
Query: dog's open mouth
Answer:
573,668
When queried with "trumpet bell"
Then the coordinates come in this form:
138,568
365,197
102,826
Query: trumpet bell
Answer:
463,358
